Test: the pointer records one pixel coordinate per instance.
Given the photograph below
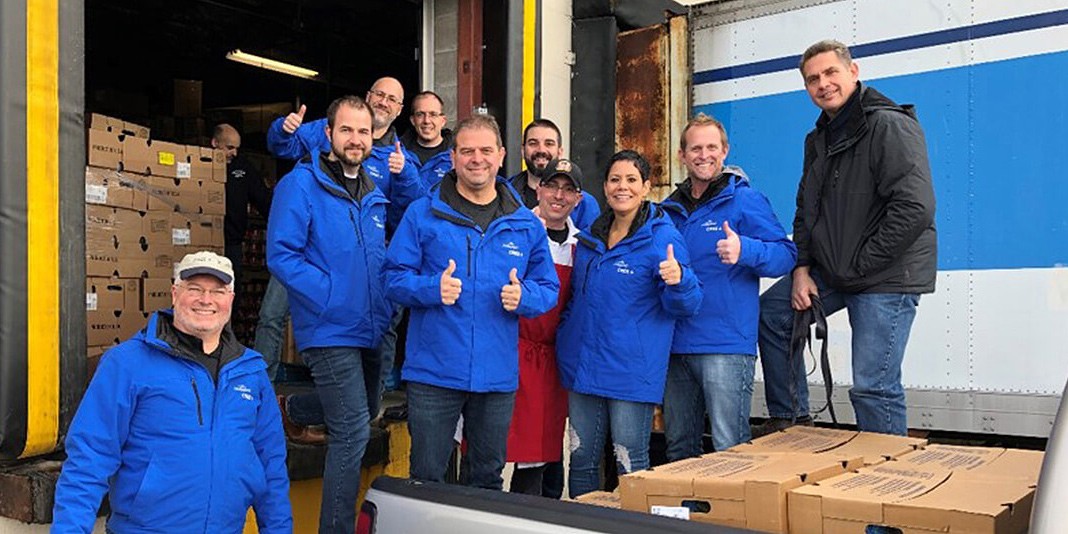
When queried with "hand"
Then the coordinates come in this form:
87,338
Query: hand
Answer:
450,286
511,292
670,270
804,288
537,213
396,160
294,120
730,248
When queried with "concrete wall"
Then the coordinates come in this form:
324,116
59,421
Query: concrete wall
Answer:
439,53
557,58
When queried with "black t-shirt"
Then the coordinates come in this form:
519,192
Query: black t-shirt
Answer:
244,186
425,153
559,236
482,214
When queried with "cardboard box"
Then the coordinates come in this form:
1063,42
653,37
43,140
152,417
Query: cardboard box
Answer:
172,194
114,188
212,197
218,166
202,161
117,126
112,229
914,498
144,156
746,490
875,448
156,226
989,462
104,294
155,294
196,231
104,327
600,498
104,149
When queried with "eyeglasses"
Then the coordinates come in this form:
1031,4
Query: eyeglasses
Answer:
383,96
427,114
216,294
553,187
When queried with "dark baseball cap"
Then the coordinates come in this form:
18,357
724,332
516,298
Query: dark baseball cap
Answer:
563,167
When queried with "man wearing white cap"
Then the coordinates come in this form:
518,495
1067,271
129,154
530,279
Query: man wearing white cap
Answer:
179,426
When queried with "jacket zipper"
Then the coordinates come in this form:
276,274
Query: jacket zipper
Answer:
468,256
366,266
196,393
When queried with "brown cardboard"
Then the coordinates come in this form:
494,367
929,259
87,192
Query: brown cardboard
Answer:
600,498
117,126
156,226
112,229
737,489
172,194
113,188
151,260
104,149
201,161
144,156
103,327
875,448
212,197
967,504
218,166
196,231
104,294
155,294
989,462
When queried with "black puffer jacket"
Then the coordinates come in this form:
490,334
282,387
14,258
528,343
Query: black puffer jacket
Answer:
865,205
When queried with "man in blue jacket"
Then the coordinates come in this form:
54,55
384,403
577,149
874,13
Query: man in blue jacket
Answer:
734,239
392,168
543,143
468,260
179,425
429,140
326,243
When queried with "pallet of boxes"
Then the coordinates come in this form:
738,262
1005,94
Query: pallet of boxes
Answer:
147,204
807,480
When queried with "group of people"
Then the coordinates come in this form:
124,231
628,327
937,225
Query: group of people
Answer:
531,310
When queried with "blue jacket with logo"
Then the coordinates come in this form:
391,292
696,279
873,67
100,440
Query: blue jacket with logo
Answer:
586,211
174,451
310,139
433,169
472,345
615,335
728,320
327,248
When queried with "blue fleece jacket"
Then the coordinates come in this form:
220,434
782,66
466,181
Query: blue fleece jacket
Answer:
472,345
310,139
727,322
174,451
616,332
327,248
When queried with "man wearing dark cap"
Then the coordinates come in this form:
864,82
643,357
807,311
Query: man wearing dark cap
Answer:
179,426
536,437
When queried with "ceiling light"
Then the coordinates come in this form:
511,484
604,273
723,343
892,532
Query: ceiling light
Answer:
270,64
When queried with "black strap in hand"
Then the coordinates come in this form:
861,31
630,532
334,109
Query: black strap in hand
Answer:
802,336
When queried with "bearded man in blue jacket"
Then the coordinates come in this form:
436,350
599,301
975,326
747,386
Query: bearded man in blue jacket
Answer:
179,425
468,260
326,242
734,239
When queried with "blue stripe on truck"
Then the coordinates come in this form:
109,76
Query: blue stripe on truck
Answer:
889,46
1000,176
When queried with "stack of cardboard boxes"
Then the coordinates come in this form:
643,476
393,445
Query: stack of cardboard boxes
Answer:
148,203
808,480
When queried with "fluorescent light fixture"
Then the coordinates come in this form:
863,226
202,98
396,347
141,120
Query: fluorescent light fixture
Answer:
270,64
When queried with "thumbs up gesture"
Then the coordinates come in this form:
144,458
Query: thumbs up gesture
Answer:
729,248
511,292
294,120
670,270
450,286
396,159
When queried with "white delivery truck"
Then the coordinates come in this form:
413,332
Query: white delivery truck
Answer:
989,80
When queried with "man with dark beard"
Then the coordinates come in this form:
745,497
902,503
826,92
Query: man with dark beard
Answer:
326,243
541,144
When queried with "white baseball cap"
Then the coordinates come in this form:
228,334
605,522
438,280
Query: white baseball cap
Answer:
205,262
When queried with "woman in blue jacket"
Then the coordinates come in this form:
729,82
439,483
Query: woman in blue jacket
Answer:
631,281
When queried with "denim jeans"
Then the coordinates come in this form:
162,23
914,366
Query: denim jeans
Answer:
722,384
388,348
881,323
270,329
346,379
306,409
432,415
589,415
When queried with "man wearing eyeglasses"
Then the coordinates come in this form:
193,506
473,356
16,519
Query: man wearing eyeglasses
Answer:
428,139
179,425
389,165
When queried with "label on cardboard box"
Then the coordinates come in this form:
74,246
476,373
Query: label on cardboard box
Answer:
96,194
90,301
166,158
678,512
185,170
180,236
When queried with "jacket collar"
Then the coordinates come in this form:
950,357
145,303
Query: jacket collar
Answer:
680,199
160,333
442,207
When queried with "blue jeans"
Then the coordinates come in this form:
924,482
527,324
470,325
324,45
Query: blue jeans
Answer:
432,415
388,349
346,380
881,323
631,424
270,329
722,384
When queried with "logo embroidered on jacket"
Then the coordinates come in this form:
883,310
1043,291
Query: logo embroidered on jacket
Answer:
712,226
622,267
378,221
513,249
238,174
244,391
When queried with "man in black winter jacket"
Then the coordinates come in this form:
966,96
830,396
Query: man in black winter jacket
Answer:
865,235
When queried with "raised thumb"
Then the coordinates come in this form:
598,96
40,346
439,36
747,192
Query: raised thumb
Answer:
451,268
512,276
